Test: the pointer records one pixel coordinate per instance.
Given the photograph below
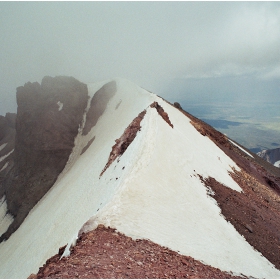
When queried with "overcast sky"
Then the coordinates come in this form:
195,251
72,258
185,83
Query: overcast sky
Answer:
170,48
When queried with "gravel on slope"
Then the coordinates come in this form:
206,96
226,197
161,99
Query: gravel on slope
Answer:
105,253
254,212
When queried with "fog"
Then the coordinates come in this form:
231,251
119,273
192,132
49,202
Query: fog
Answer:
179,50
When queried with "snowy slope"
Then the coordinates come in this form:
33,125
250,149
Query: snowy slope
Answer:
152,191
164,200
78,192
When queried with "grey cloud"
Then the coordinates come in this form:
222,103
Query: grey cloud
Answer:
151,43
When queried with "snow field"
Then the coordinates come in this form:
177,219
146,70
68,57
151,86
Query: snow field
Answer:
163,199
79,193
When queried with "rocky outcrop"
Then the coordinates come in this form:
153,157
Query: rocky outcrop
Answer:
271,156
47,122
161,112
125,140
177,105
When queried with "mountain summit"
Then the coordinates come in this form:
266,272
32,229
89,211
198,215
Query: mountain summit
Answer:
116,155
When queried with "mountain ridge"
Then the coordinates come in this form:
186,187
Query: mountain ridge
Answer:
171,185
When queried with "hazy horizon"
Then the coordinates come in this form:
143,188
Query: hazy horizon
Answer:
153,44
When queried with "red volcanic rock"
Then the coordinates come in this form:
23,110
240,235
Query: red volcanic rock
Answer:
254,212
125,140
105,253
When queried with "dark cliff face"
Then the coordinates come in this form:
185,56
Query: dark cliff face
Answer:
7,145
7,133
48,119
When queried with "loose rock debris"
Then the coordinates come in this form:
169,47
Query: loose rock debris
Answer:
125,140
254,212
161,112
105,253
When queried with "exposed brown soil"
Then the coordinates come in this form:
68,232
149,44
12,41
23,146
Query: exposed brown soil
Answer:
104,253
98,105
255,212
125,140
161,112
88,145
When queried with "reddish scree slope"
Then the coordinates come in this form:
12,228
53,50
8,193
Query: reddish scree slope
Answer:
104,253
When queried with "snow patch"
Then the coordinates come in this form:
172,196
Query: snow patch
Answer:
70,244
5,166
277,163
241,149
5,219
3,157
60,105
3,146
